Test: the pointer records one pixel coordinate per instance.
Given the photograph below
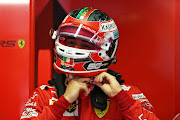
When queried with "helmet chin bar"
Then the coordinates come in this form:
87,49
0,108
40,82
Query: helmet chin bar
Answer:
71,72
79,73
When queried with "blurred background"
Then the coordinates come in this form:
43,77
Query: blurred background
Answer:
148,54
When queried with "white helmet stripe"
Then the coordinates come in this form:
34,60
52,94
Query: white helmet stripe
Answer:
71,52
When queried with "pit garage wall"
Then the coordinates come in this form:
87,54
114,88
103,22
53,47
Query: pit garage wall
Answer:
148,54
177,56
22,66
15,59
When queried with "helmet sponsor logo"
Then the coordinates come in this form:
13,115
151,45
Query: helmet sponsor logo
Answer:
66,24
116,34
89,29
96,65
108,26
66,67
67,63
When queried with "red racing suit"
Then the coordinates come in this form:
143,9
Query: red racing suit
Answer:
128,104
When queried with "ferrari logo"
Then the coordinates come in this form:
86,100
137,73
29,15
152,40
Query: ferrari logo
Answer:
21,43
100,113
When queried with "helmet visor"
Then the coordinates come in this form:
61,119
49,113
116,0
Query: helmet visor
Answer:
81,31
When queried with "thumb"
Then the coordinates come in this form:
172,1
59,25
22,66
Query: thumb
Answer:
85,89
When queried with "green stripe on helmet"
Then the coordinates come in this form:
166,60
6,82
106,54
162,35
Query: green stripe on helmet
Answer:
64,59
83,12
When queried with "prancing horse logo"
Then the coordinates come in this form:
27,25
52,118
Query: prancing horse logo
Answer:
21,43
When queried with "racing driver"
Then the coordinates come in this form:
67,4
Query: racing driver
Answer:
83,88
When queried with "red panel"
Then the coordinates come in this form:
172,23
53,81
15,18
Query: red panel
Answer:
177,82
44,66
40,6
14,62
32,48
146,56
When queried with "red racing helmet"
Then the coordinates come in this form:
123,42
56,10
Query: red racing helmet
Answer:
90,25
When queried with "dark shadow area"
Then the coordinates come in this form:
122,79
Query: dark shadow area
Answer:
59,14
51,16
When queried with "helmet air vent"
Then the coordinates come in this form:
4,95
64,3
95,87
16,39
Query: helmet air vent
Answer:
61,49
79,53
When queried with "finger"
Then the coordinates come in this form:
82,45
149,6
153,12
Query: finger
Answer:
98,84
72,76
107,77
83,80
85,89
104,87
98,79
